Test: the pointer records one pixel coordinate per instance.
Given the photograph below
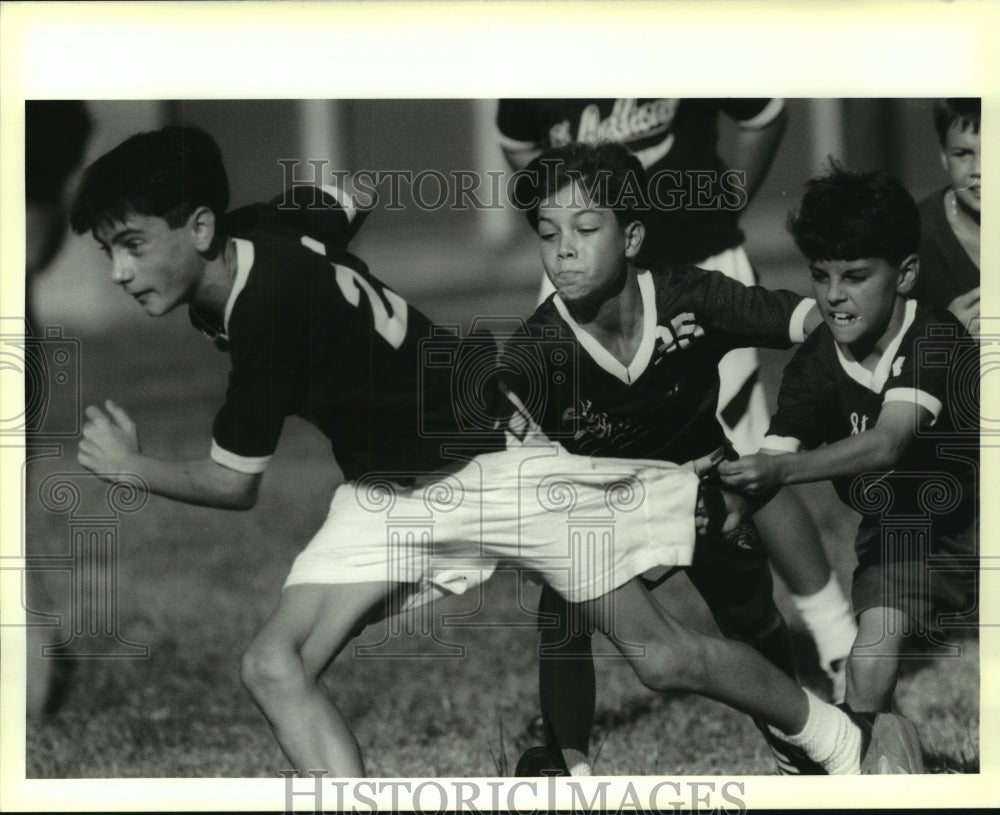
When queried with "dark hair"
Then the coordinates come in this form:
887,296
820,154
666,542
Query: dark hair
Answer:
165,173
55,136
611,175
965,112
848,216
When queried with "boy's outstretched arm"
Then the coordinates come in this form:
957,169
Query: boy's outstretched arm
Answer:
874,450
110,448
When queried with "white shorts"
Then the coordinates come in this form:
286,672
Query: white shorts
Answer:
586,525
737,368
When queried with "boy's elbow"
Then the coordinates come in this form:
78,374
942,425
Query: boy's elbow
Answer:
244,497
886,452
235,490
242,501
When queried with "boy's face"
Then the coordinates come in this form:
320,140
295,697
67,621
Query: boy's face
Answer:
158,266
861,300
584,250
960,156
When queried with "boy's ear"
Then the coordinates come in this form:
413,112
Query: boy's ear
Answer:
202,225
634,234
908,271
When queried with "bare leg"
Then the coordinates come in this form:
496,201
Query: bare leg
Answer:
873,667
679,659
793,543
284,663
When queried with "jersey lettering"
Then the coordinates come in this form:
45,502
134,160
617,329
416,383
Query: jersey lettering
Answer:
683,329
859,424
391,327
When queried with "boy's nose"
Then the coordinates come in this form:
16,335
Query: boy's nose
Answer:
566,247
121,270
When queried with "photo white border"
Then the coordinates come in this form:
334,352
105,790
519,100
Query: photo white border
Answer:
922,48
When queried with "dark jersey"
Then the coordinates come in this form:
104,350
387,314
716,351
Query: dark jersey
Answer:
312,333
663,405
695,202
946,270
826,396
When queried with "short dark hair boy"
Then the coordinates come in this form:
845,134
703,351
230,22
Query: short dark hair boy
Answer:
870,398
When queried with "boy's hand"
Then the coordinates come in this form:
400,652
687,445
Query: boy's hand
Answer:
758,474
966,308
719,511
109,440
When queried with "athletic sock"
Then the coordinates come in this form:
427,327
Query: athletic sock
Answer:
829,738
577,762
827,615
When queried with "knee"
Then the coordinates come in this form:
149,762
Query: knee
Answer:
267,667
679,666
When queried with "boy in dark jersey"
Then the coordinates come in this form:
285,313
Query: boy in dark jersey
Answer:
310,332
696,199
645,385
875,397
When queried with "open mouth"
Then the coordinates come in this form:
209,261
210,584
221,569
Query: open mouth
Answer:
840,319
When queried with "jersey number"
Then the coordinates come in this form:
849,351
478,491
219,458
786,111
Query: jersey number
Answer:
391,327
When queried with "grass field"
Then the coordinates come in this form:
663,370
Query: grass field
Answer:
194,584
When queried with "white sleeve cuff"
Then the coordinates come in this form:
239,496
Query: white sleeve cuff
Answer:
770,112
242,464
507,143
783,444
915,396
796,325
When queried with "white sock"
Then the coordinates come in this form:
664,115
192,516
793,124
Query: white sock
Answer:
576,762
827,615
829,738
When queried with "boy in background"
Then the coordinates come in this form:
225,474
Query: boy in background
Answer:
949,217
56,133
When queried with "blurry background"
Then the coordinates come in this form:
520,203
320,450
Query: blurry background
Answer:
434,256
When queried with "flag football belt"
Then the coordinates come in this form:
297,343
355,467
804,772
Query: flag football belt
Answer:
702,466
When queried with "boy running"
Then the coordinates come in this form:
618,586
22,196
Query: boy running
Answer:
874,397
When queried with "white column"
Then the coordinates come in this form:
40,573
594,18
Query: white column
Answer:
827,134
321,132
495,224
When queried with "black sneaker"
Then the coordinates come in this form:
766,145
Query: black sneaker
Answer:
539,760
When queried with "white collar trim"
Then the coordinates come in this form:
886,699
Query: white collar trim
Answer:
875,380
626,373
244,262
